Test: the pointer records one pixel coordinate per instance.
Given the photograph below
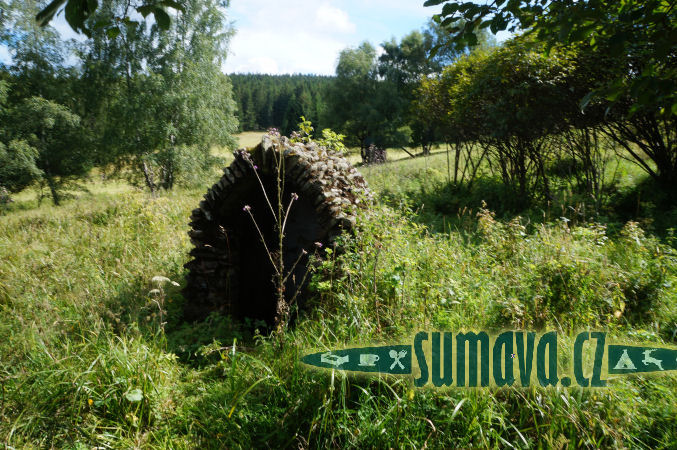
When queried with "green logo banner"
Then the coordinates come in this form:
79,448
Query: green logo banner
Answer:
471,359
393,359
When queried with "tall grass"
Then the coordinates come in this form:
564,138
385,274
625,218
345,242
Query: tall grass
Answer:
87,360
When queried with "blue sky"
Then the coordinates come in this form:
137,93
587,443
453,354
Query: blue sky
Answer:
300,36
303,36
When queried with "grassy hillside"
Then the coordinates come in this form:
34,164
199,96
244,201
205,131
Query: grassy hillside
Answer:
92,355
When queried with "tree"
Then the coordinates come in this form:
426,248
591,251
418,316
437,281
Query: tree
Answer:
18,165
42,139
17,158
279,101
171,84
48,137
197,110
385,86
79,14
442,50
646,29
37,53
511,101
354,96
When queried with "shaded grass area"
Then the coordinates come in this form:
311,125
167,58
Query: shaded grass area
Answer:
93,350
424,185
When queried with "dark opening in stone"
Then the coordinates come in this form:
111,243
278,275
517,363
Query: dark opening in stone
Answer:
231,270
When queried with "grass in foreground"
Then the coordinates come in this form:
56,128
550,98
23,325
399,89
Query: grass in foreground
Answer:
86,359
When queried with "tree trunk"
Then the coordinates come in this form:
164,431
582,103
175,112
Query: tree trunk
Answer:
53,190
150,179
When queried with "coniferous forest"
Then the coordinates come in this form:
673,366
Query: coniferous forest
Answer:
278,101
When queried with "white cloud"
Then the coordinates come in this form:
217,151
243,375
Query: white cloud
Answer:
266,51
329,18
294,36
306,36
258,65
65,31
380,51
5,56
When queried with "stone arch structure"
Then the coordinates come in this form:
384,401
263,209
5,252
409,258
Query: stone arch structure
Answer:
230,270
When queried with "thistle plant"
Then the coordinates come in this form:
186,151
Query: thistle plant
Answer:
157,296
280,213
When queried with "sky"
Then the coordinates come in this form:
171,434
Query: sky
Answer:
303,36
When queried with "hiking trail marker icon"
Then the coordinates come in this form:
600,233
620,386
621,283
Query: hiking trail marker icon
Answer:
624,362
334,360
397,357
648,359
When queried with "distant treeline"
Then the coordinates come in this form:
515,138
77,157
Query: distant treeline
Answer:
265,101
369,100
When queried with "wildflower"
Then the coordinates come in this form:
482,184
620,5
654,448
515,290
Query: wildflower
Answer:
318,244
90,402
256,167
160,280
294,196
246,208
245,155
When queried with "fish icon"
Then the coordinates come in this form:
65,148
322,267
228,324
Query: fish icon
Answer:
334,360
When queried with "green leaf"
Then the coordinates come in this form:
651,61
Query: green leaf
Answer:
135,395
485,24
173,4
91,6
145,10
471,39
448,21
162,18
44,16
101,23
587,99
449,9
75,14
432,2
498,23
112,33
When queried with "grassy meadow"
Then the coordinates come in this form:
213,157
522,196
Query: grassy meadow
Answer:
94,353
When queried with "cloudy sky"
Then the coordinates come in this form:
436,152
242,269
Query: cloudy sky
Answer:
301,36
304,36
